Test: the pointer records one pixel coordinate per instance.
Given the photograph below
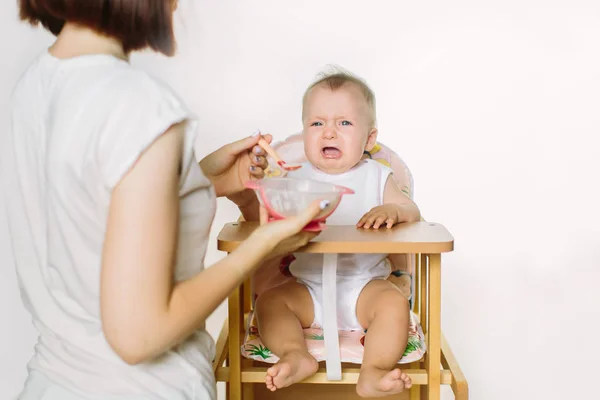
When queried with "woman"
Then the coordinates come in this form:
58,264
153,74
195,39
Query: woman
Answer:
110,213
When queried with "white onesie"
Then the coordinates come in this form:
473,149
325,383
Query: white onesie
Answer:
354,271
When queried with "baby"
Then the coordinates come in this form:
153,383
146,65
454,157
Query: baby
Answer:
338,127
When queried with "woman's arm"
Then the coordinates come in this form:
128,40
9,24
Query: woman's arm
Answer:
143,313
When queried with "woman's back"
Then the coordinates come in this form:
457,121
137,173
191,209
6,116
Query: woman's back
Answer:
78,125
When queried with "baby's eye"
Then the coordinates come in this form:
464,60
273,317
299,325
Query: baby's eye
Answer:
346,123
316,124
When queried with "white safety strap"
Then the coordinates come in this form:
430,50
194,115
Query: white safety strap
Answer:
330,326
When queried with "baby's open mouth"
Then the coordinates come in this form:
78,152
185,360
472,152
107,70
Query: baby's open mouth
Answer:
331,152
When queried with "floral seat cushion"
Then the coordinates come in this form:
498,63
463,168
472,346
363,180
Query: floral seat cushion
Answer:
351,344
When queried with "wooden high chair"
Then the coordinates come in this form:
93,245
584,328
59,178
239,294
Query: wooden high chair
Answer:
425,240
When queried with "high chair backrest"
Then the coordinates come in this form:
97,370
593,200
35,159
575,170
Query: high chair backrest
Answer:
292,151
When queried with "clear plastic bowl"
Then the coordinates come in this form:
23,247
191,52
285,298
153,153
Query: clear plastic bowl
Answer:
286,197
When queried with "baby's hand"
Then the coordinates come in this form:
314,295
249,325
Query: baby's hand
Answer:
388,214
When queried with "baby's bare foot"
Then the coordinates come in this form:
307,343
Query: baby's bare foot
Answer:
375,382
291,368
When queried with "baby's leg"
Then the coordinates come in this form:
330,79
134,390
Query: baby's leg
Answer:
282,313
383,310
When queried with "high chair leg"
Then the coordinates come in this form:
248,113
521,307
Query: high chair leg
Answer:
423,272
432,359
221,347
235,341
459,384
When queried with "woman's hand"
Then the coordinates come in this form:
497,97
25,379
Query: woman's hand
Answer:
286,236
231,166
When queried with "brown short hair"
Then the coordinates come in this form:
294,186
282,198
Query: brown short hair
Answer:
138,24
338,77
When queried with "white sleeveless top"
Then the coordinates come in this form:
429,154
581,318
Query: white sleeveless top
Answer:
367,179
78,125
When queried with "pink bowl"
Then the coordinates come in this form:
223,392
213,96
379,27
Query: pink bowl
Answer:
286,197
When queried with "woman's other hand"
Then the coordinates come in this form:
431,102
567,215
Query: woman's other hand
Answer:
231,166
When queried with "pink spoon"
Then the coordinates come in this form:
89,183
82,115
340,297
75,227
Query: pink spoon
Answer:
271,151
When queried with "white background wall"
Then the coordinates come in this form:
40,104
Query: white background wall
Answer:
495,107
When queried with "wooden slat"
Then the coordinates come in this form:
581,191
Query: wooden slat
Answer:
416,285
349,376
414,237
459,383
432,360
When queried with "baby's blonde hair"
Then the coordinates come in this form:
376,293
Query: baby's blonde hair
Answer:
337,77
